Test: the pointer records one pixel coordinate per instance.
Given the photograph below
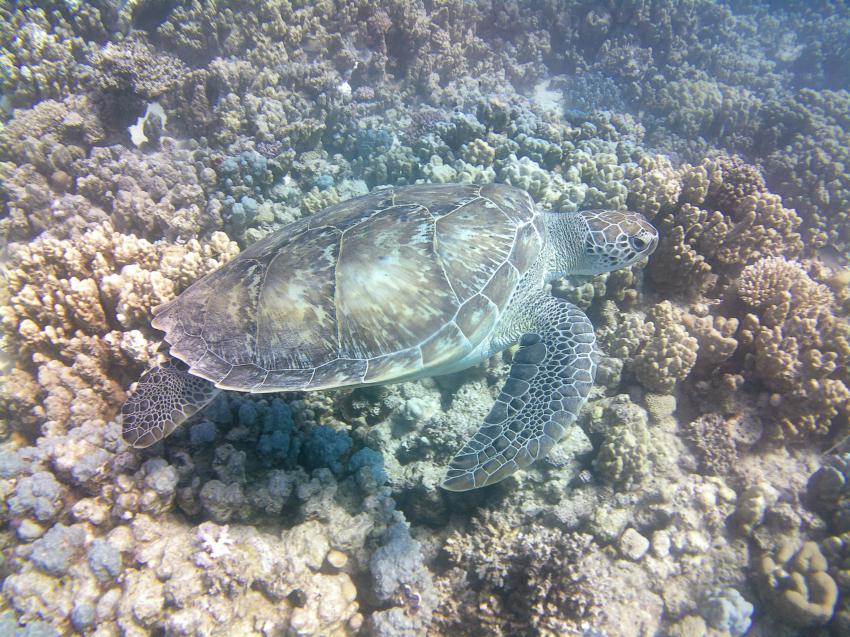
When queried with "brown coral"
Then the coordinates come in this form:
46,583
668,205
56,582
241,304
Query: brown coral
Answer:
723,216
799,348
517,579
133,65
711,437
77,307
670,352
798,585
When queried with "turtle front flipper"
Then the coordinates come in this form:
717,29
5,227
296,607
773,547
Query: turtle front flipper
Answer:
551,375
165,397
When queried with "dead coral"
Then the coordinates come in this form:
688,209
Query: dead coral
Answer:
133,65
517,581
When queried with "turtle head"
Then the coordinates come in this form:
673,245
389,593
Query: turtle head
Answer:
596,241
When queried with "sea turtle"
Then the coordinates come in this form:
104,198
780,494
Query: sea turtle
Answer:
400,284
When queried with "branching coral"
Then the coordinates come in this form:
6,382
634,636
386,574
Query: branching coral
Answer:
625,457
723,216
810,170
41,51
669,352
77,305
134,66
517,579
799,348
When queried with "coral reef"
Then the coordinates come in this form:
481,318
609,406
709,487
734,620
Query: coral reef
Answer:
143,143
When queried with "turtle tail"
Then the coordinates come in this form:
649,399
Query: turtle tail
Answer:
164,398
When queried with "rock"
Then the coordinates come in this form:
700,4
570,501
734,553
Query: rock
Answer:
633,545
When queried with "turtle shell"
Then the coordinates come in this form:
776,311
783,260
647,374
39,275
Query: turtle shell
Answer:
375,289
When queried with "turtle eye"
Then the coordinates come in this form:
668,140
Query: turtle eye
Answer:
638,243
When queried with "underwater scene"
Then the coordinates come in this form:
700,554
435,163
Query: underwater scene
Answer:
425,318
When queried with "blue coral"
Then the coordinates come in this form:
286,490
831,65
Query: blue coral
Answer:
372,461
54,553
104,560
324,182
278,441
11,464
398,569
373,141
82,616
727,610
38,495
326,447
202,433
90,466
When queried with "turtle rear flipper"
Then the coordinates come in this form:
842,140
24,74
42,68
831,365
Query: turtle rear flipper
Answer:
550,378
165,397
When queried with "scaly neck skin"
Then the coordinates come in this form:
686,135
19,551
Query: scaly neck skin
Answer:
565,233
561,255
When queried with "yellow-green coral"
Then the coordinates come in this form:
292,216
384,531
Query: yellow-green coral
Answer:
712,218
798,585
79,308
